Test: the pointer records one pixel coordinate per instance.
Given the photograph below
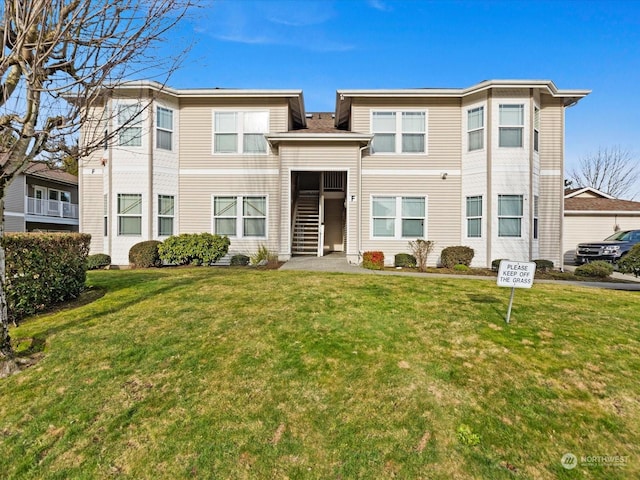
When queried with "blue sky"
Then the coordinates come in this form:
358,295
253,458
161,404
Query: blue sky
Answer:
324,45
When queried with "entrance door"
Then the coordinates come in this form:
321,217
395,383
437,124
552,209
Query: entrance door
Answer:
38,202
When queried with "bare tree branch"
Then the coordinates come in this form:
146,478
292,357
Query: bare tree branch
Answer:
59,60
612,170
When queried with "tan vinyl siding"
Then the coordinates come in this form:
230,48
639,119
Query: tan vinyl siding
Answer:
92,210
196,132
551,134
195,204
14,223
550,218
444,128
443,211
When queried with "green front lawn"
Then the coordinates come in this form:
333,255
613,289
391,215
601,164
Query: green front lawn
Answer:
236,373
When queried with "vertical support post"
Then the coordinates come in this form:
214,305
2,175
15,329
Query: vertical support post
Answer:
513,291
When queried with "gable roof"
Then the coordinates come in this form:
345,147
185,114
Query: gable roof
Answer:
588,192
46,172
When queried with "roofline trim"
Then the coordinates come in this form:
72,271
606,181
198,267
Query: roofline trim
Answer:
589,189
306,137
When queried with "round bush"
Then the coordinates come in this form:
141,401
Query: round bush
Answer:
373,260
99,260
598,269
240,260
452,256
495,264
145,254
404,260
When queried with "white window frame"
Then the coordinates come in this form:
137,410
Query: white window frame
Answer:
132,124
399,132
240,132
536,222
476,130
474,218
164,129
398,217
241,215
129,215
165,216
511,217
503,127
105,213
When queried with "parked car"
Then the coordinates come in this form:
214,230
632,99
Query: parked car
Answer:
611,249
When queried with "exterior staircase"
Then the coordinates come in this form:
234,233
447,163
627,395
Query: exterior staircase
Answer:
306,223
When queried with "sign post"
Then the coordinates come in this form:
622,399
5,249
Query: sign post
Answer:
515,275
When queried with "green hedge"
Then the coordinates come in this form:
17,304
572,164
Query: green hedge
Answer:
404,260
193,249
145,254
598,269
43,269
459,255
630,263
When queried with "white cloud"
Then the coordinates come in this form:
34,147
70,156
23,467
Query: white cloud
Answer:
379,5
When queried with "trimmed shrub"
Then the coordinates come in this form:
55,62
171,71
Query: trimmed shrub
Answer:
240,260
543,265
421,250
193,249
263,257
145,255
459,255
43,269
495,264
598,269
373,260
97,261
630,263
461,268
404,260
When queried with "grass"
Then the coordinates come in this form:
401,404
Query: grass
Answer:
237,373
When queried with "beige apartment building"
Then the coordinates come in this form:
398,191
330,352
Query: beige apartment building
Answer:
481,166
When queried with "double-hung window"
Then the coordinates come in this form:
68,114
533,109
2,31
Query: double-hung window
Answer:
164,128
511,125
398,217
166,212
240,132
130,125
240,216
475,128
510,215
474,216
399,131
105,214
129,214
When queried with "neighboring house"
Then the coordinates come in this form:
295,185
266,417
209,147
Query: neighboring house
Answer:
480,166
42,199
591,215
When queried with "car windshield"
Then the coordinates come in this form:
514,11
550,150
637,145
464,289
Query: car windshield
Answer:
624,236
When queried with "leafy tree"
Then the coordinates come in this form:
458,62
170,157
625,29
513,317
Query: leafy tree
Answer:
614,171
59,59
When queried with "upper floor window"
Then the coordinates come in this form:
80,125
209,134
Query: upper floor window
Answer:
510,215
398,217
164,128
130,125
475,128
399,132
240,132
536,129
511,125
536,199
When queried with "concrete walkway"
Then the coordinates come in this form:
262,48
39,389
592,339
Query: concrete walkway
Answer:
337,262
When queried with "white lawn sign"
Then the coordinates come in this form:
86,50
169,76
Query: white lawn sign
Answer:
515,275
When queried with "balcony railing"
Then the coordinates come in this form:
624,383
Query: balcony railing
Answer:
51,208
